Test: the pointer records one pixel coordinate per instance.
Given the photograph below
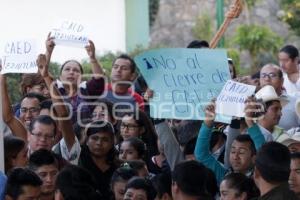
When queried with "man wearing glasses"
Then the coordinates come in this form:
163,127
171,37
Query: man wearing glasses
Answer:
271,74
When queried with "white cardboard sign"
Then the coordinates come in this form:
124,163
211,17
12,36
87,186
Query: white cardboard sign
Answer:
231,100
70,33
19,56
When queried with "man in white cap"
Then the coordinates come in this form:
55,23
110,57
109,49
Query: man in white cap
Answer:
269,115
291,141
272,75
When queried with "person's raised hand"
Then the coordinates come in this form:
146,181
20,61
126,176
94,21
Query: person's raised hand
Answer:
50,44
42,64
90,49
210,113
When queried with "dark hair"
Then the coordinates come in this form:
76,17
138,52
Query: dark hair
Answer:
18,178
12,146
162,183
108,105
246,138
241,183
33,95
149,136
273,162
42,119
79,130
255,75
42,157
295,155
233,68
270,103
188,129
75,61
127,57
122,174
189,147
138,145
46,104
136,164
99,126
76,183
198,44
30,80
290,50
143,184
191,178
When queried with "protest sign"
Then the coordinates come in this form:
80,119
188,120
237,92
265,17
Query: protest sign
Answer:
183,80
70,33
19,56
231,100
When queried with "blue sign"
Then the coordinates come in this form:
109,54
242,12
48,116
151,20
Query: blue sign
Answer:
183,80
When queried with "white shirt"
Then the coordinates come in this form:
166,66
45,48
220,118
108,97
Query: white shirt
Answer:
292,89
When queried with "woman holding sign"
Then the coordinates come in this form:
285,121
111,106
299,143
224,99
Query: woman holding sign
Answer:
78,93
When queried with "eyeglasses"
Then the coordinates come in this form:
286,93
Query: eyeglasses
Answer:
41,136
269,75
130,127
31,110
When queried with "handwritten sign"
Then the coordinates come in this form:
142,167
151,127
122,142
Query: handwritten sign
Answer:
70,33
183,80
19,56
231,100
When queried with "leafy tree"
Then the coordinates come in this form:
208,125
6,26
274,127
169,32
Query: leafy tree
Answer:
291,14
203,29
257,40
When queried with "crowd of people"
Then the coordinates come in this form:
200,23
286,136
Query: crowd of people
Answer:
93,139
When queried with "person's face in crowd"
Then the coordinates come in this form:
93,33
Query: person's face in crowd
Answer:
30,109
47,174
128,152
294,179
41,137
121,71
228,193
21,159
71,73
101,113
269,76
294,147
29,193
39,89
135,194
119,190
100,144
240,156
287,64
273,113
130,128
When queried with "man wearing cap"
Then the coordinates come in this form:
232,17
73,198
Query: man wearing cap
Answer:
271,74
267,118
291,141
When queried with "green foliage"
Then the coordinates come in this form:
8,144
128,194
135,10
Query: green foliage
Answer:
13,87
257,40
291,14
235,56
105,60
203,29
